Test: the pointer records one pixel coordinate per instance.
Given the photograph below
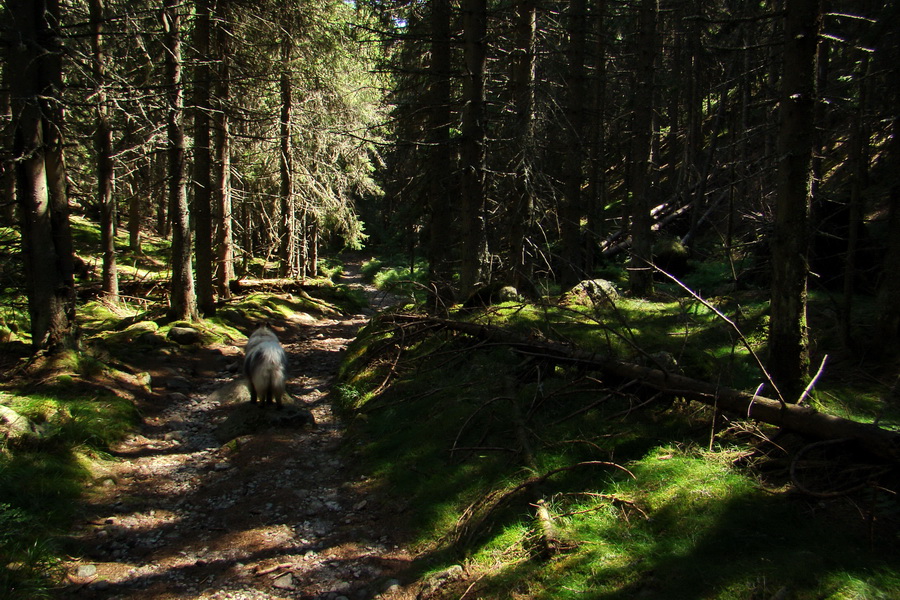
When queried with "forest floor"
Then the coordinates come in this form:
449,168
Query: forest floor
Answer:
281,513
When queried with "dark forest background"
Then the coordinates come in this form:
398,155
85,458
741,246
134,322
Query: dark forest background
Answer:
527,143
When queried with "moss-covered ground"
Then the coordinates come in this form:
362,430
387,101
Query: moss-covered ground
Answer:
647,496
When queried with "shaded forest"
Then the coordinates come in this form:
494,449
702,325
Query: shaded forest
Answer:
739,160
530,144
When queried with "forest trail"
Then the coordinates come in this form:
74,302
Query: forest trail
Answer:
276,514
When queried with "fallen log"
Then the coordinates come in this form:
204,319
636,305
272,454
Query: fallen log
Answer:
273,285
802,420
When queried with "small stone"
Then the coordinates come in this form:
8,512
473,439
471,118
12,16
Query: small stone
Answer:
342,587
285,582
86,571
185,335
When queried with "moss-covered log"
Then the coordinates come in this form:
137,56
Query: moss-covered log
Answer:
803,420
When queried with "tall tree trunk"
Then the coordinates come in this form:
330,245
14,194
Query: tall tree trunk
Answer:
7,167
288,226
573,177
523,91
640,275
202,180
57,183
859,153
159,164
311,243
103,147
474,240
694,90
441,225
788,361
222,190
182,297
35,78
141,178
597,188
136,204
887,320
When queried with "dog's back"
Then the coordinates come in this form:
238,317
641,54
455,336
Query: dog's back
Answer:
265,365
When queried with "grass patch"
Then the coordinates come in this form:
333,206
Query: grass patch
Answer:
398,277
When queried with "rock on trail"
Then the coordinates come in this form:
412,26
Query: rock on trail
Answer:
278,513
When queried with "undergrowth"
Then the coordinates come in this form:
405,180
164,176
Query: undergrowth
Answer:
647,497
42,475
398,276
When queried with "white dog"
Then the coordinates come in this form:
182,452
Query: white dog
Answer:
265,365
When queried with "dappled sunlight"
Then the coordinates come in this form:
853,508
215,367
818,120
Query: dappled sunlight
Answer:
190,507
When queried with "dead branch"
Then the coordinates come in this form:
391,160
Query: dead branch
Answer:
551,542
736,329
612,498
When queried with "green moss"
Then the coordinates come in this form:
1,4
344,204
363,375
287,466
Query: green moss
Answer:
460,431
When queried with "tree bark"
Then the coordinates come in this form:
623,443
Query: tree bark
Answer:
222,141
573,176
474,241
441,225
640,274
788,361
136,205
523,91
183,301
202,180
7,167
311,245
35,78
887,321
288,226
859,153
597,161
104,150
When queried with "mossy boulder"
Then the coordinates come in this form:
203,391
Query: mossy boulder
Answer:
592,293
493,293
185,336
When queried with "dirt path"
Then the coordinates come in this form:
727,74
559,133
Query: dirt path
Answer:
276,514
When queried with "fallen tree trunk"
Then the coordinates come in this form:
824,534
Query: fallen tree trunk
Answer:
799,419
274,285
